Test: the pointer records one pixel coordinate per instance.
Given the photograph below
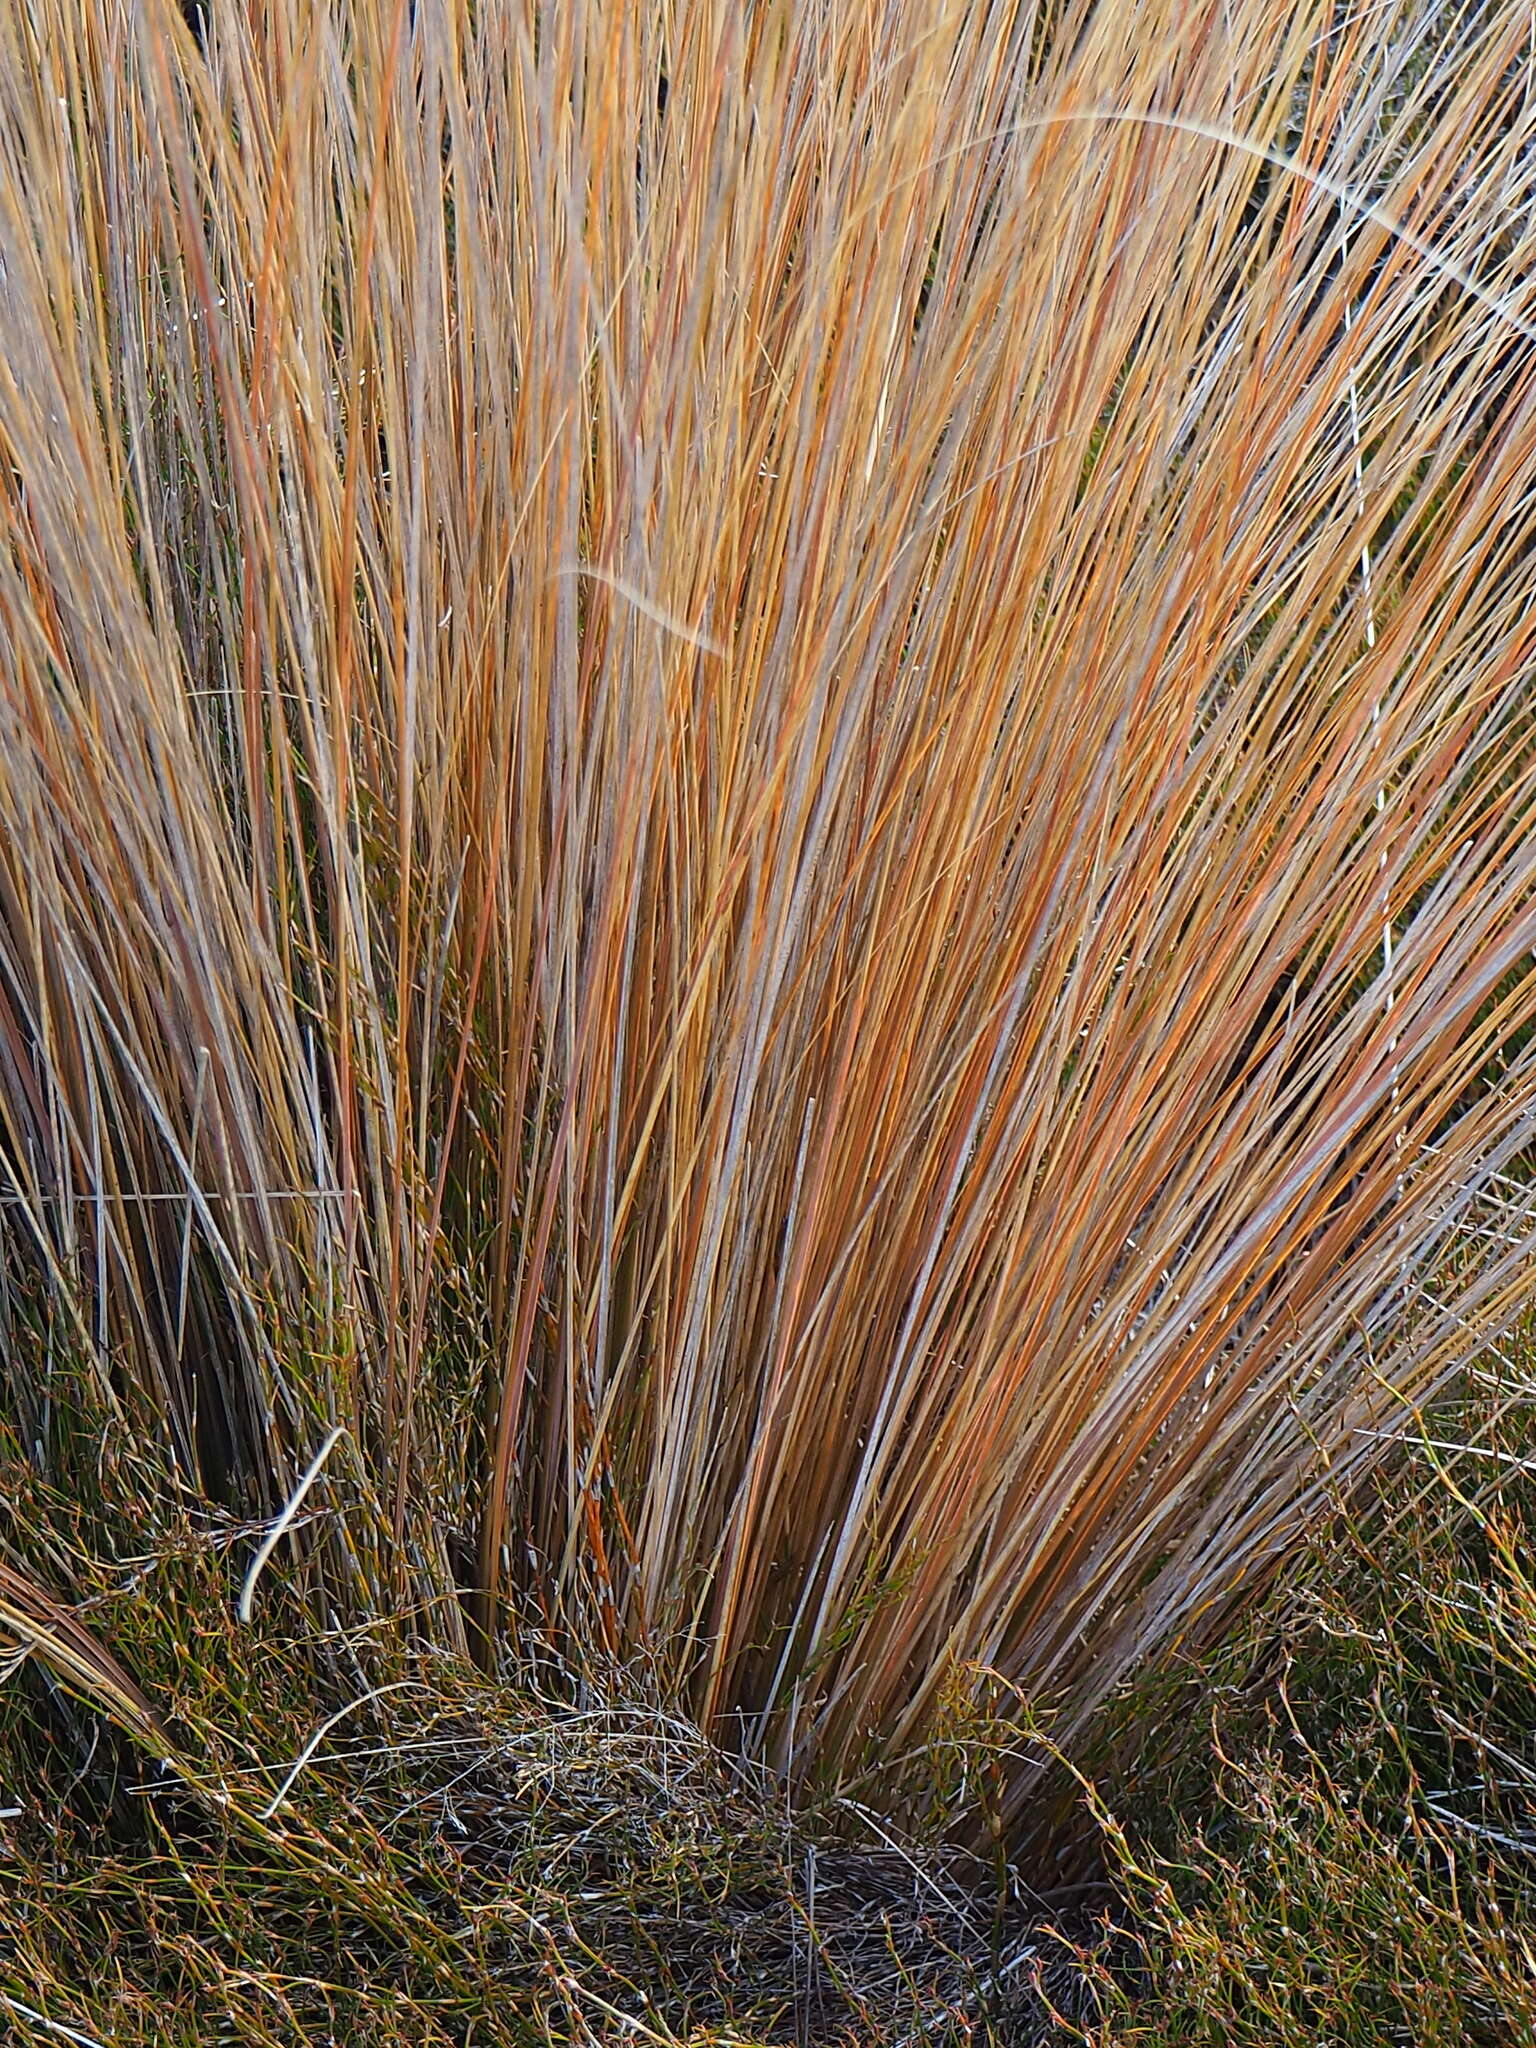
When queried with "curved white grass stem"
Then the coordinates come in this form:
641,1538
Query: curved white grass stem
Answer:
376,1693
280,1527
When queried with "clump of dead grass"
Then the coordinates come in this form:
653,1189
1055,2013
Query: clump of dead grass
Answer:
766,799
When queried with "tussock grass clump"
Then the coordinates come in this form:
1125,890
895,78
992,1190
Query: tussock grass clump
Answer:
766,799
